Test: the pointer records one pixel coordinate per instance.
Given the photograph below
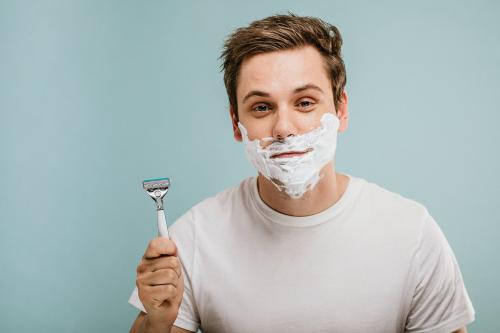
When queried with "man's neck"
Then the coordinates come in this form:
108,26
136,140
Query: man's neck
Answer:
325,194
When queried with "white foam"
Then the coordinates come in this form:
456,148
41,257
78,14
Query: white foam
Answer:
297,174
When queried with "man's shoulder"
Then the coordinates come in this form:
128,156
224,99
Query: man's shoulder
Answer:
383,201
394,218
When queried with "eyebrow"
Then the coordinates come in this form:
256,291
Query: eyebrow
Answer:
296,90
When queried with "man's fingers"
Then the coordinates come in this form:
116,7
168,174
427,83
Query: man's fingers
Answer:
163,293
158,294
160,277
166,262
160,246
152,265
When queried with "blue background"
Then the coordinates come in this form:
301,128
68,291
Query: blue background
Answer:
96,96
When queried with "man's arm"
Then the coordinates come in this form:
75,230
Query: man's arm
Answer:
139,326
461,330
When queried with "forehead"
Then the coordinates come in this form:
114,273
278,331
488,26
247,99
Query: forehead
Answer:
282,71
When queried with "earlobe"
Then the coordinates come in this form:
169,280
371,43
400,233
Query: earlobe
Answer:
343,112
234,120
237,133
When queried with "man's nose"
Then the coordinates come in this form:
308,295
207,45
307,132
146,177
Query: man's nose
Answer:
284,126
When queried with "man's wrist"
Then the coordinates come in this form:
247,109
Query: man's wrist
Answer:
155,327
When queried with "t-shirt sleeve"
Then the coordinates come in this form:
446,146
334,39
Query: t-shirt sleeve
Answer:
183,234
440,301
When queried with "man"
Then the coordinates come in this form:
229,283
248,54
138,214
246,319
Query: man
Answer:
300,247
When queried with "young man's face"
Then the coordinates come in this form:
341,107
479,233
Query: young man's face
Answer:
285,93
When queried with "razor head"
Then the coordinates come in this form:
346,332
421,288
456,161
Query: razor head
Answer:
157,188
156,183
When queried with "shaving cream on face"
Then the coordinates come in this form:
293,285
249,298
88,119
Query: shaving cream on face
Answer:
296,174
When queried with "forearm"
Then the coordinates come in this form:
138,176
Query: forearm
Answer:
149,327
143,325
462,330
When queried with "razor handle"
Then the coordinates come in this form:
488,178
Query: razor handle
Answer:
162,223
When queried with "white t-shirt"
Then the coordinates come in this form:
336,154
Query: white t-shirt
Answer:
373,262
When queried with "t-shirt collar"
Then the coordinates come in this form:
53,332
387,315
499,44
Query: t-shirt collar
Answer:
353,188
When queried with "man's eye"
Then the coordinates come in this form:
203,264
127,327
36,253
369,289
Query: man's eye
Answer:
260,108
305,104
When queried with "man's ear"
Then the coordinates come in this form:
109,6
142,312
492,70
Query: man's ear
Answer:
343,111
234,120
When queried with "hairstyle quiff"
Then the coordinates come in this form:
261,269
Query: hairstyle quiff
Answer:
283,32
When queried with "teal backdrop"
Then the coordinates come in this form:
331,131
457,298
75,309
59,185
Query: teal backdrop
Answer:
96,96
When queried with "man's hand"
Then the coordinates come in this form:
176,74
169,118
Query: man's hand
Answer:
160,282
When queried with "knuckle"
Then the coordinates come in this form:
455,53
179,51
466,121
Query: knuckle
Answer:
164,262
171,261
170,289
140,292
144,295
172,275
138,282
176,264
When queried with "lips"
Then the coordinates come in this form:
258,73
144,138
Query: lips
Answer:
291,154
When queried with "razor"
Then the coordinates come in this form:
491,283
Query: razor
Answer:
157,188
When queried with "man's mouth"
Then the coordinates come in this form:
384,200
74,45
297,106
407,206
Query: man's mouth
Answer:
291,154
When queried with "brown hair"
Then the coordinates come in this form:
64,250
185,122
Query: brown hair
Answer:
283,32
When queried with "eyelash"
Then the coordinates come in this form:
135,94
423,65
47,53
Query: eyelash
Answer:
310,104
